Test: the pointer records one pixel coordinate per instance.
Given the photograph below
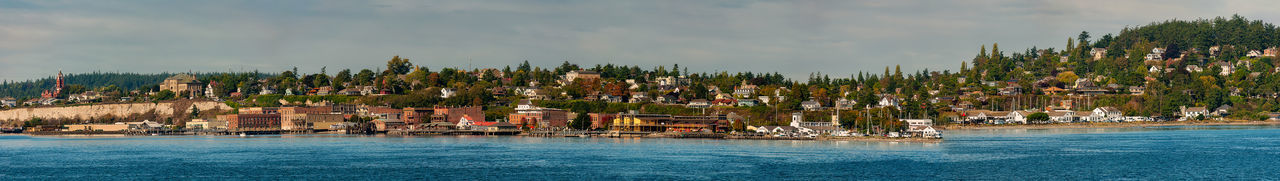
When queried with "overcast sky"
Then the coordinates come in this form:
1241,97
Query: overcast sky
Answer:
37,38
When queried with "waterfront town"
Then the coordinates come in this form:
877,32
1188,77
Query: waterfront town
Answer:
1142,75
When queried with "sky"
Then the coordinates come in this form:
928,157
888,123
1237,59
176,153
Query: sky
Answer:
794,38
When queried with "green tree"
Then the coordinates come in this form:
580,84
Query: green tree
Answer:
365,77
164,95
1067,77
1038,117
398,65
195,112
582,122
33,122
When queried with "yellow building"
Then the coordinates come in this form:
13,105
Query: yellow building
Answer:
669,123
206,124
181,83
97,127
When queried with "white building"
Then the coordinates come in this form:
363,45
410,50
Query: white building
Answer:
8,102
778,130
1062,116
1193,112
922,128
465,122
815,128
448,92
811,105
1106,114
888,101
1019,117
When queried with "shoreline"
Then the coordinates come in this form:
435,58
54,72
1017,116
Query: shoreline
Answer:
726,137
1109,125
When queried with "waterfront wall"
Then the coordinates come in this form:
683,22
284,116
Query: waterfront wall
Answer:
164,109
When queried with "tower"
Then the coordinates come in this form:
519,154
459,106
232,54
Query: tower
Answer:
835,119
57,87
796,119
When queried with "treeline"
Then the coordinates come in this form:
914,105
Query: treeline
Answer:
1182,35
82,82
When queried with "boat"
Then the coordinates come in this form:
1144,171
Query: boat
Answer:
243,135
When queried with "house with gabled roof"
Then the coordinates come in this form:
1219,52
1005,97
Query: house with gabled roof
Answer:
1106,114
1222,110
811,105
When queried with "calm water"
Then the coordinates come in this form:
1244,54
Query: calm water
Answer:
1215,152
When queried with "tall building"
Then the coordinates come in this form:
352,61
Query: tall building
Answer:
57,88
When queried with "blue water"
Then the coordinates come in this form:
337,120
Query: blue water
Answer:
1164,153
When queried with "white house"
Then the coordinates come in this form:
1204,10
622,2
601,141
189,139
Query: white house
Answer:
763,99
1227,68
888,101
1019,117
929,132
1156,54
1098,53
1192,112
1062,116
845,104
745,90
986,117
1222,110
1194,68
1107,114
922,128
778,130
917,122
811,105
815,128
448,92
465,122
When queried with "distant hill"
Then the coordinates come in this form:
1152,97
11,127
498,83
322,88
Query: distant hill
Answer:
1181,35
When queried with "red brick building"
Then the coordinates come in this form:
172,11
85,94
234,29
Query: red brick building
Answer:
253,122
599,120
414,116
528,115
452,114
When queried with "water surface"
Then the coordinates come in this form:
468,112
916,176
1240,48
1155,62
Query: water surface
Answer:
1158,153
